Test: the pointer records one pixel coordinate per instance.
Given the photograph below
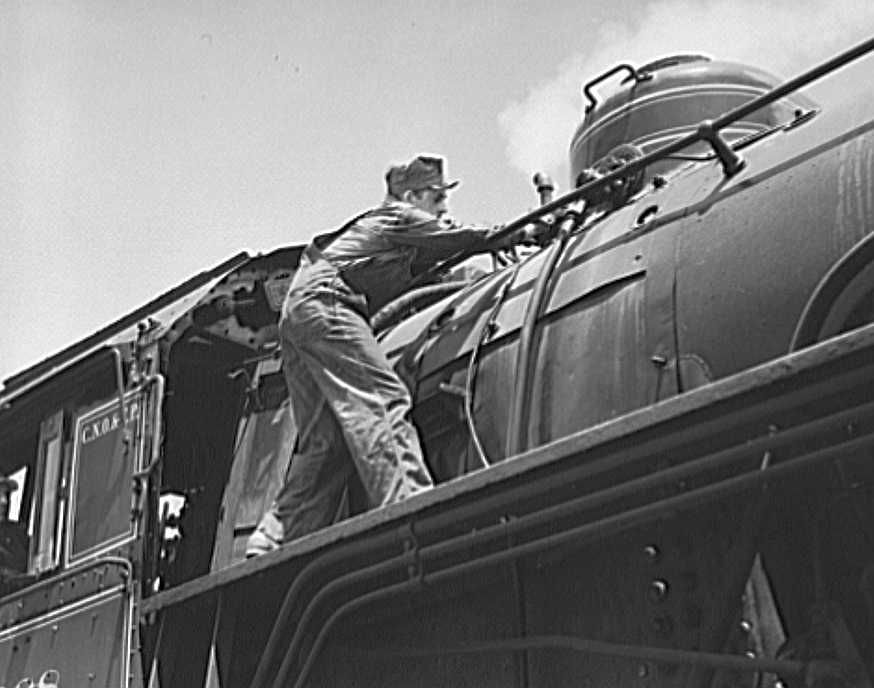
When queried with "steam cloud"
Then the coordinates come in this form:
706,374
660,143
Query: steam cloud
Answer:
784,37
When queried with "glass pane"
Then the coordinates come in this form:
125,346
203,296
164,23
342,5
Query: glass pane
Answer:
45,558
104,459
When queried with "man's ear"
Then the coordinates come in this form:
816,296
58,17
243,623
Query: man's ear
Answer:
408,196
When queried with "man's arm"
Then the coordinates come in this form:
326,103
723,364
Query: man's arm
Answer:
424,231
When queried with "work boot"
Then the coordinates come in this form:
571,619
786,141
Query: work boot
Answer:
266,537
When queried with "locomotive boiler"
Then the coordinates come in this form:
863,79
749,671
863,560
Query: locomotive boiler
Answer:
651,436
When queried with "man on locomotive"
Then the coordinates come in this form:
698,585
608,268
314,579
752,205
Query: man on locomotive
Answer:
350,407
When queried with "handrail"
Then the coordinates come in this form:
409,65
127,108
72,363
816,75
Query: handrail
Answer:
635,74
155,456
517,428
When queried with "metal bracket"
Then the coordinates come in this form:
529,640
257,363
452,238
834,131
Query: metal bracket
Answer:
415,571
732,163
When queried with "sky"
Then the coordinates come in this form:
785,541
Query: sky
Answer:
143,142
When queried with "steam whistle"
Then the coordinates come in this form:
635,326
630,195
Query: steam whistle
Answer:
545,187
542,231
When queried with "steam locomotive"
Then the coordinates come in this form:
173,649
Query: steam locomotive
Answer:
652,437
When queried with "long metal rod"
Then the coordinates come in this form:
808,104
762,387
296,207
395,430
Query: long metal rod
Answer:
517,427
713,660
158,400
119,383
587,532
676,146
473,366
795,83
481,536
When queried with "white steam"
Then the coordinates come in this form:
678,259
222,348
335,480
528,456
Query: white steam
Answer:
784,37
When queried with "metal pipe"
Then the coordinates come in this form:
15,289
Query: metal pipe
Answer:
587,532
119,383
524,350
473,367
782,667
401,562
795,83
766,443
675,146
158,380
311,570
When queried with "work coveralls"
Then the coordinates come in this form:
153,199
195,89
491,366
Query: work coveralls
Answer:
349,405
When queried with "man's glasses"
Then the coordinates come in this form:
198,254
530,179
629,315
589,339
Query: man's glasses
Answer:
437,195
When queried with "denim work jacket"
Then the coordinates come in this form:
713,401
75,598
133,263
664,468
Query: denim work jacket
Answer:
379,253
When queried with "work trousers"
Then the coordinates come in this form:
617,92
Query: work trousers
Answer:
350,407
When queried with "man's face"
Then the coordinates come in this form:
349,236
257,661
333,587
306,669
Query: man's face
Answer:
434,201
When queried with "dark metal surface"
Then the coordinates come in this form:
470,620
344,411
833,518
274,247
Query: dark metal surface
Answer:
792,380
76,625
747,396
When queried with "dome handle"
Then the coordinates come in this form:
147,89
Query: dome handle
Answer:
624,67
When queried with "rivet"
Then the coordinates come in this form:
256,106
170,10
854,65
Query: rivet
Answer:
658,590
652,553
746,626
642,671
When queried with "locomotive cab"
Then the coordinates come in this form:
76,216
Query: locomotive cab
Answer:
74,445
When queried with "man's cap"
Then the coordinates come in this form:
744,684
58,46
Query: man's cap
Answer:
422,172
